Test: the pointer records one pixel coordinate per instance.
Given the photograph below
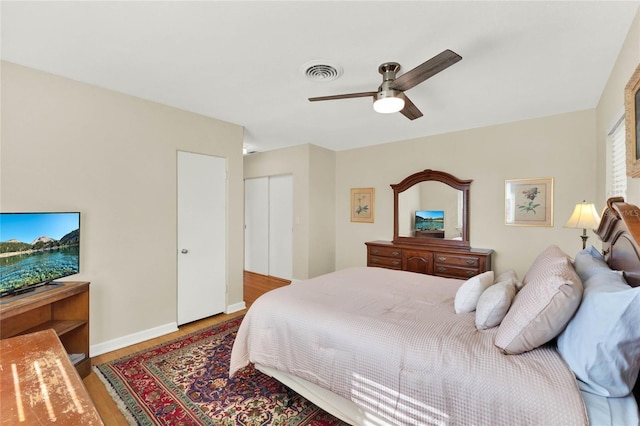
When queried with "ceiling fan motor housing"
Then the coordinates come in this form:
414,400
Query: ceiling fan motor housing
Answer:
395,100
389,70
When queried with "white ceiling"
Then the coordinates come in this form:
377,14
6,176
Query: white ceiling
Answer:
241,61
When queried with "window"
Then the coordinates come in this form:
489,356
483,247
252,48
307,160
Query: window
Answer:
617,164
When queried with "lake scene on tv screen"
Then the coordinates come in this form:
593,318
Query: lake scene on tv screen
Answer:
37,247
429,220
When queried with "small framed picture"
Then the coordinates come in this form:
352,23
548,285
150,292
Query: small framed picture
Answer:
528,202
362,204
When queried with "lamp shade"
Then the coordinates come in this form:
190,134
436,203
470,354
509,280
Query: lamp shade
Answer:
584,216
388,105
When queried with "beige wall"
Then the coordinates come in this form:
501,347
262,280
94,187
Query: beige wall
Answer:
313,170
68,146
611,107
562,147
322,211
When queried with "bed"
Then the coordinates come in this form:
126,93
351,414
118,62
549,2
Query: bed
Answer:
374,346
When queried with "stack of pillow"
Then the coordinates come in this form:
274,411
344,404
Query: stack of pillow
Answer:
601,343
598,333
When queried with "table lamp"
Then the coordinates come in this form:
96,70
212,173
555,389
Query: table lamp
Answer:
584,216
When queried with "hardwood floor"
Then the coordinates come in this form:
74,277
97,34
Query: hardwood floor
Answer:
107,408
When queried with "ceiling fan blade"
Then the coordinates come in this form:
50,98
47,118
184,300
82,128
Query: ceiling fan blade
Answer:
428,69
410,110
345,96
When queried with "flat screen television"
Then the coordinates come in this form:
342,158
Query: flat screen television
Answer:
429,220
36,249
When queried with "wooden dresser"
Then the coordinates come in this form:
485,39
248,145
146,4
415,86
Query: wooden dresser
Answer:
443,262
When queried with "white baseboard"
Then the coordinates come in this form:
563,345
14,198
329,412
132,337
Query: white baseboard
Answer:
132,339
152,333
235,307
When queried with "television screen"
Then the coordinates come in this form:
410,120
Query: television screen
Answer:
37,248
427,220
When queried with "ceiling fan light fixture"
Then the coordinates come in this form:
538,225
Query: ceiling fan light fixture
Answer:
387,103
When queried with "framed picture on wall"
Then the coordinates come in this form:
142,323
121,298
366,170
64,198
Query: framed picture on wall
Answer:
528,202
362,200
632,123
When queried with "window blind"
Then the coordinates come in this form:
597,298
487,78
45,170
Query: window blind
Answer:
617,161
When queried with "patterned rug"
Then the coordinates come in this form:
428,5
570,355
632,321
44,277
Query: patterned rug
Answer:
186,382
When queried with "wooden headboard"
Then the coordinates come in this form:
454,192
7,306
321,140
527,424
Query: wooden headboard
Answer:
619,231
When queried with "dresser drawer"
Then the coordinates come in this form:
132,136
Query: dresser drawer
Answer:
424,259
385,252
385,262
457,260
454,271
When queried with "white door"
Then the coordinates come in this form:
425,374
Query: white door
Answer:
201,236
269,226
281,226
256,225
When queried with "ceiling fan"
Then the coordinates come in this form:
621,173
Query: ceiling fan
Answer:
390,95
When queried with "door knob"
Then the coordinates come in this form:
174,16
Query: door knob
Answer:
184,251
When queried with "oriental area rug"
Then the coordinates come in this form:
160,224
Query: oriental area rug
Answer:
186,382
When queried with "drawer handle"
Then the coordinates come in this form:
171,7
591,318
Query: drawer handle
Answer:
395,253
442,259
442,269
470,261
374,251
470,273
395,263
374,260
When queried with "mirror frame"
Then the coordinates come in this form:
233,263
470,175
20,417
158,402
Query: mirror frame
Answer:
447,179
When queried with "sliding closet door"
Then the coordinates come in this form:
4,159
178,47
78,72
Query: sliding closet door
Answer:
256,225
281,226
201,236
269,226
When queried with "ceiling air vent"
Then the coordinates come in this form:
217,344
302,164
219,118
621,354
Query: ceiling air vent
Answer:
321,71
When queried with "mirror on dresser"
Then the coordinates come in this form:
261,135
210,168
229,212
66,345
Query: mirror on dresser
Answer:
432,208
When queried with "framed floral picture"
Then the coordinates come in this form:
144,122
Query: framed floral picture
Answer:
528,202
362,204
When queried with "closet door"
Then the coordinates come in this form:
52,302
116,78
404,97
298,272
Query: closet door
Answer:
201,236
281,226
269,226
256,225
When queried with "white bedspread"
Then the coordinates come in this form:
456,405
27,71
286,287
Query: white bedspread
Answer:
390,342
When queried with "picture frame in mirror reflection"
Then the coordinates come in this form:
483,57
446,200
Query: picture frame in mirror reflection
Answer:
362,204
528,202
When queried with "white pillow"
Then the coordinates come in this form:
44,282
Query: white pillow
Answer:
509,274
601,343
494,304
468,294
542,308
506,275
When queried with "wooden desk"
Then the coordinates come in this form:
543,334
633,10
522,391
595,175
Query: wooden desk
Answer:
39,385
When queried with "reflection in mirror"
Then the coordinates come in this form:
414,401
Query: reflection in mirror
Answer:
431,200
432,193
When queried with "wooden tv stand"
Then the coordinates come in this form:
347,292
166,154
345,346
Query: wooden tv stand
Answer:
64,308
